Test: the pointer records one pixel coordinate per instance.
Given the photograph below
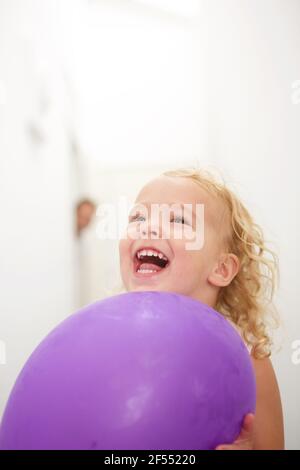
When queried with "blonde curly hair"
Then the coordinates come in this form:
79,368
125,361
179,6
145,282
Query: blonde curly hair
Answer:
248,300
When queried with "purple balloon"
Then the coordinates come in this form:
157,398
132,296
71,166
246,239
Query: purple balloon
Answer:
142,370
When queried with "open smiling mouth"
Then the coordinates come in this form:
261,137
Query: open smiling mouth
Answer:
149,261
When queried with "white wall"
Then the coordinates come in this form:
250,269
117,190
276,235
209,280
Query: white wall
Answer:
137,73
36,269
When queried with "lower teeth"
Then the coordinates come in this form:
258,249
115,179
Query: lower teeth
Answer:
146,271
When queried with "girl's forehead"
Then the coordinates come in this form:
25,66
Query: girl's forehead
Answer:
172,190
166,189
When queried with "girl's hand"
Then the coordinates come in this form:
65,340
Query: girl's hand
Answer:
245,441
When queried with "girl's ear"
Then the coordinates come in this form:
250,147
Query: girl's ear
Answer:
225,270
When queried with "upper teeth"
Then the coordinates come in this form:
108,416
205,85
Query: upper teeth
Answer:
151,253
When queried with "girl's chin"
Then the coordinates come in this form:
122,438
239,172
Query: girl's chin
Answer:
146,285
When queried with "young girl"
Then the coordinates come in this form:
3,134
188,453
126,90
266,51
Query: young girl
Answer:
229,271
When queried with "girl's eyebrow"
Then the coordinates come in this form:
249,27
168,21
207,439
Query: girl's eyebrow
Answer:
147,204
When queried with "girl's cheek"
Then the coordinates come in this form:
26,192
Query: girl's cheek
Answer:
183,232
124,251
121,247
132,233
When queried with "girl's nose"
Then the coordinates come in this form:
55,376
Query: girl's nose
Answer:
149,230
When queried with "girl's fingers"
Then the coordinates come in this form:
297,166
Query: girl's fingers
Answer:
245,440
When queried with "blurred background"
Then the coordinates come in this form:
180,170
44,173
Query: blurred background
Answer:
97,97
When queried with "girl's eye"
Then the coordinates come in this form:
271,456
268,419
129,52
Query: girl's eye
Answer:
178,220
140,218
136,218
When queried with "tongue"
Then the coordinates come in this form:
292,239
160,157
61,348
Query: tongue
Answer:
152,266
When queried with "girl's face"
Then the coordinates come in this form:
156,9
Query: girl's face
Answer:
154,254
